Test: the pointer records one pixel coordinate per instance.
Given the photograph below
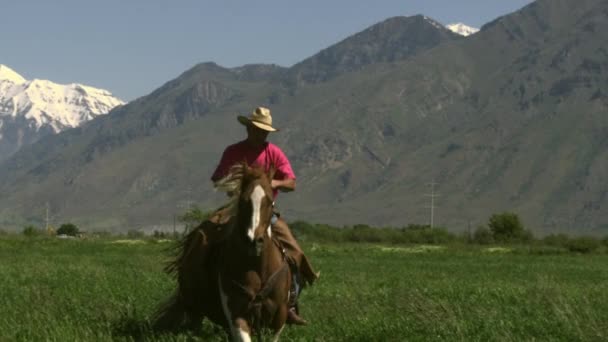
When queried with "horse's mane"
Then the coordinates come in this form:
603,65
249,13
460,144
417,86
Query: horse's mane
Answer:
232,183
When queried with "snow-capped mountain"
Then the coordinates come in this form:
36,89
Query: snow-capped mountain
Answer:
462,29
47,103
34,108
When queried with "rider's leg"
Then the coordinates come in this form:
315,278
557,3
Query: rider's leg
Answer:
293,250
298,263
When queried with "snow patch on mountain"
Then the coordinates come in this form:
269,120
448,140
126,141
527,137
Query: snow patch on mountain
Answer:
462,29
434,23
43,102
7,74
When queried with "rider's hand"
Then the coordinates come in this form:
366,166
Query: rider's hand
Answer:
283,185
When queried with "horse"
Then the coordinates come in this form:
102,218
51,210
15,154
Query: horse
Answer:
241,283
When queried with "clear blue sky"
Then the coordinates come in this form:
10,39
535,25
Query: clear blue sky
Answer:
131,47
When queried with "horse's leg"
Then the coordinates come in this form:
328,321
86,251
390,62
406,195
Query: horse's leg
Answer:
279,322
242,332
238,328
195,320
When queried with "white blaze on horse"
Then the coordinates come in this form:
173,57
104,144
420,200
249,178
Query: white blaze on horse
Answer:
247,288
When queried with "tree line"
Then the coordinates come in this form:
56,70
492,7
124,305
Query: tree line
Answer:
501,228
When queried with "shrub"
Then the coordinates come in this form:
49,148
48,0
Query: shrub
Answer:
31,231
101,234
300,227
135,234
583,245
159,234
546,250
556,240
483,236
506,227
415,233
363,233
193,217
605,241
526,236
305,231
69,229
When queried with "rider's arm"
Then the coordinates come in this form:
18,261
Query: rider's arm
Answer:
223,166
284,185
285,179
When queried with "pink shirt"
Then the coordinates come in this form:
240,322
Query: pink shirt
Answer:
264,156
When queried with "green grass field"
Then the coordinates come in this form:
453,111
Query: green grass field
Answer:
95,290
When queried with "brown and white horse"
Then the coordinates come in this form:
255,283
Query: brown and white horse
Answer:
243,283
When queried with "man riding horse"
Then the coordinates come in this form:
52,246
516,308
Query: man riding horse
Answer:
256,151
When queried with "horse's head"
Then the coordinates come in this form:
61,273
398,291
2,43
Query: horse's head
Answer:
255,205
252,201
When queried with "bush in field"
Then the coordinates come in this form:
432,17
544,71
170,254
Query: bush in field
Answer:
101,234
415,233
299,228
69,229
483,236
31,231
526,236
363,233
317,232
160,234
556,240
506,227
583,245
135,234
193,217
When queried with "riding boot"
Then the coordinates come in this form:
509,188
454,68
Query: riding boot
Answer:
293,313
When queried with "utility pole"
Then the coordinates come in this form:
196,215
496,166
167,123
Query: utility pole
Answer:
432,195
189,200
47,218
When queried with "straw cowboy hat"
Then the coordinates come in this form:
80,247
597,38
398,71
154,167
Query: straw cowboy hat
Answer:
260,118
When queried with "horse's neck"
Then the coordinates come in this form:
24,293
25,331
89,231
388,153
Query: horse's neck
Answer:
238,256
272,258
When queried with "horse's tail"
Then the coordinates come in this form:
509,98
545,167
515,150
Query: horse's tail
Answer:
184,249
170,315
187,268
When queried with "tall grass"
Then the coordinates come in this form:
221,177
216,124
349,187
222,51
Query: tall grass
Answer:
99,290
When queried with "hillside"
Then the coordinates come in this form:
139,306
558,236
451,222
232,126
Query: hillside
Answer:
510,118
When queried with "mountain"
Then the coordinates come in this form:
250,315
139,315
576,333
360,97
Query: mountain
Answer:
512,118
462,29
32,109
391,40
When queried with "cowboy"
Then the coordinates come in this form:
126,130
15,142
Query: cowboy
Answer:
255,150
